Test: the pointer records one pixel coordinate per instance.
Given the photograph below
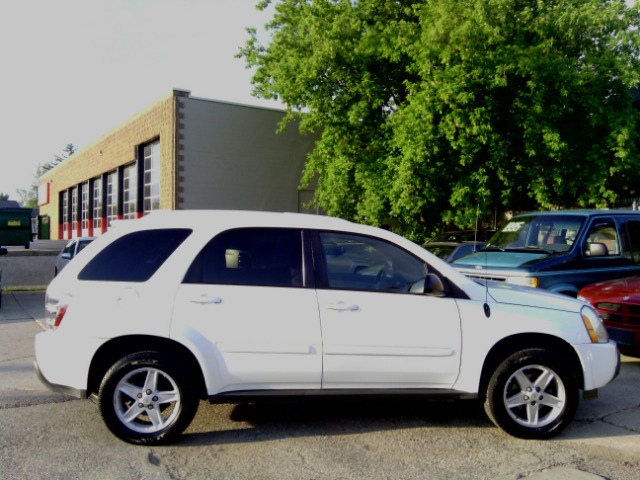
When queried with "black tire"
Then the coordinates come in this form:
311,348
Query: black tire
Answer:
145,398
532,394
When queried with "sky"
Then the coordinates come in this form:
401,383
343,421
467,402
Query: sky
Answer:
73,70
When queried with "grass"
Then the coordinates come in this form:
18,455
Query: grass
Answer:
28,288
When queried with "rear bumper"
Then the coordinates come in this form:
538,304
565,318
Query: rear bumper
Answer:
62,362
74,392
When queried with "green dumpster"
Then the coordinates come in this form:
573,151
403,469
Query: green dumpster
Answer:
15,227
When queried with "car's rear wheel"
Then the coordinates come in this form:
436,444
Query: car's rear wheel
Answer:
532,394
145,398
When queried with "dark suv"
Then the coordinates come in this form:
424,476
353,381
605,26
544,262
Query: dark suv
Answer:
560,251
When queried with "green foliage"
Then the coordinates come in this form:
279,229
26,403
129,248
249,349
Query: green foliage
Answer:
29,196
4,197
57,159
430,109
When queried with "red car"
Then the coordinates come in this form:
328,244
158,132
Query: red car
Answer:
618,302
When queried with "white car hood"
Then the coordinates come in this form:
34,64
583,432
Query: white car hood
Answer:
532,297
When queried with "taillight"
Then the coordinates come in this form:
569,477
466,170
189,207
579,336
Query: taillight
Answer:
59,316
55,312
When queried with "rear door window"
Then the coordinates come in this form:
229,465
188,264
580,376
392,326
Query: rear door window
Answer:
134,257
270,257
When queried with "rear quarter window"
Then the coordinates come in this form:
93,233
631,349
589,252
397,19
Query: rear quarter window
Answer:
135,257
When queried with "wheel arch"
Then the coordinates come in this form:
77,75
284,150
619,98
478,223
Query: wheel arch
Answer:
117,348
510,345
567,289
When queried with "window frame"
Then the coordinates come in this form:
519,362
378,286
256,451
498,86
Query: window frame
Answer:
307,278
84,205
112,197
322,274
120,261
96,208
129,191
74,209
151,177
602,223
633,255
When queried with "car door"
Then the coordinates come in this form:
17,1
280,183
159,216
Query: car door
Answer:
376,332
248,306
605,253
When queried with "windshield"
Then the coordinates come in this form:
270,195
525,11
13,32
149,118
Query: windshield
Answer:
550,233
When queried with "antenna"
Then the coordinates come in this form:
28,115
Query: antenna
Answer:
475,234
486,308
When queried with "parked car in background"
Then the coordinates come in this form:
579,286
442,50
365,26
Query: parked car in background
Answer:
560,251
450,251
70,250
460,236
3,251
618,303
180,306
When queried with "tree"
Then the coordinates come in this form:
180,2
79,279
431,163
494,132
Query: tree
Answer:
66,153
29,196
431,110
4,197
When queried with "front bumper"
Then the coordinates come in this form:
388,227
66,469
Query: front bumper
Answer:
600,363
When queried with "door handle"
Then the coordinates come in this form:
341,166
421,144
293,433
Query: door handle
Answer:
343,307
205,299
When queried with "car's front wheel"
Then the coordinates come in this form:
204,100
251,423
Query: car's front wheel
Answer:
145,398
532,394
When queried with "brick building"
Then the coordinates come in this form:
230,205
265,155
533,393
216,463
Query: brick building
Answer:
180,153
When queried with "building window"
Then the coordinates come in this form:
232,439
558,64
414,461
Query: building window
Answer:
65,208
152,177
97,203
85,205
74,209
112,197
129,192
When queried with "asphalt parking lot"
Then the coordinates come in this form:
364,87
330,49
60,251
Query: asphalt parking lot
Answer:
48,435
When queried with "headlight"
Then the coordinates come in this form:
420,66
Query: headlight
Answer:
525,281
593,324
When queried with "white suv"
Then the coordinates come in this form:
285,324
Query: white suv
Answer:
234,306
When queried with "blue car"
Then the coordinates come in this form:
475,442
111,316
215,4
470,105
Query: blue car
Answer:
560,251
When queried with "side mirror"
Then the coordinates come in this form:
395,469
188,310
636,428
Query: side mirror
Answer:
66,256
417,287
597,250
430,285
